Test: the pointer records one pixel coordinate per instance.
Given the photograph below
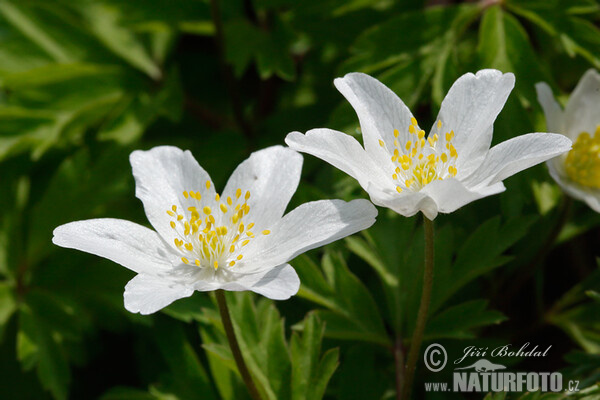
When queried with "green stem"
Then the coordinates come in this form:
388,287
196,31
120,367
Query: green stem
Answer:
417,339
399,364
235,347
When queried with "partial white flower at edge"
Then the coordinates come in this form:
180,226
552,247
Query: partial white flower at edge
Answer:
203,241
577,172
403,169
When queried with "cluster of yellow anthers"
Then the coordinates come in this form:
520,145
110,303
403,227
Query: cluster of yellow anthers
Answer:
209,241
583,161
421,161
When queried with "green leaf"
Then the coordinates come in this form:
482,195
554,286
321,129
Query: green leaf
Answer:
362,375
260,333
504,45
310,371
282,372
400,248
128,121
190,308
107,178
562,20
36,346
16,185
186,377
365,251
547,196
245,43
458,322
408,63
8,305
584,367
575,313
354,315
26,23
104,22
479,254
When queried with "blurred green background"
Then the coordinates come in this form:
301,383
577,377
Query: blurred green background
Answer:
83,83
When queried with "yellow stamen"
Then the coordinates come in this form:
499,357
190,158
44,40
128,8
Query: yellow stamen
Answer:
213,242
582,163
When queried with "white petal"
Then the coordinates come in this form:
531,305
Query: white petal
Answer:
582,113
552,110
146,294
590,196
279,283
407,203
271,175
470,109
308,226
517,154
379,110
161,175
343,152
450,194
129,244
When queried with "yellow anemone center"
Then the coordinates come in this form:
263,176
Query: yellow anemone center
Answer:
583,161
420,161
212,237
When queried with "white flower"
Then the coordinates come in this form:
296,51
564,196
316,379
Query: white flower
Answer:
577,172
403,170
203,241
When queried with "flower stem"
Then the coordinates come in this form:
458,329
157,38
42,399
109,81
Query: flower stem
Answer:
235,347
417,339
399,364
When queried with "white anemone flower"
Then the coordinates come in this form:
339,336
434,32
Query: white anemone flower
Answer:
578,171
204,241
406,171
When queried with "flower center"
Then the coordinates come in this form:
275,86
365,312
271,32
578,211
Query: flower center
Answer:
212,237
583,161
421,161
